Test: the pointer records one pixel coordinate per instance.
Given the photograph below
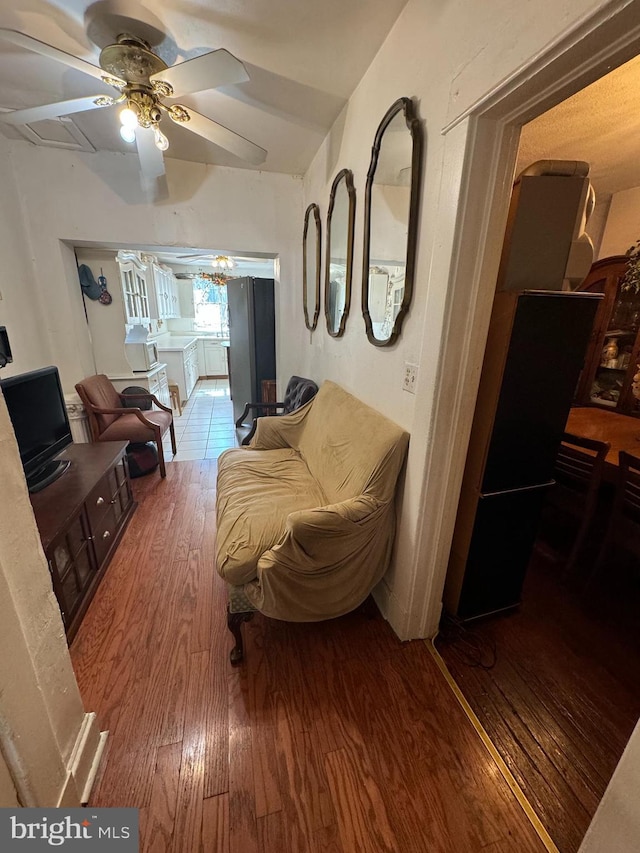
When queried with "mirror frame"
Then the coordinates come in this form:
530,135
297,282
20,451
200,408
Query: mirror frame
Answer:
406,106
313,208
347,175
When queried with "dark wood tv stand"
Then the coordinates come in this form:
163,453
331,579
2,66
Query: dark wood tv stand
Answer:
81,518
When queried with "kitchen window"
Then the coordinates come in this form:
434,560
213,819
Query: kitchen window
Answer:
211,309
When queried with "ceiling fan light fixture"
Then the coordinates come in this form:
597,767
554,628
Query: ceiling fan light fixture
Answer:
161,140
128,133
222,262
129,118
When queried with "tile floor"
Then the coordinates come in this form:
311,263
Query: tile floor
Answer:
206,426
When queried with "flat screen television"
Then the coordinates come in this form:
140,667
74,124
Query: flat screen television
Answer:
36,407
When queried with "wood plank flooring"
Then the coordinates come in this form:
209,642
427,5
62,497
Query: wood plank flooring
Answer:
332,737
556,685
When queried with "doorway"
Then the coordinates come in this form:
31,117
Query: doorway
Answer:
490,134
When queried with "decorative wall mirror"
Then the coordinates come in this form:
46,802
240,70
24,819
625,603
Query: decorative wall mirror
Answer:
339,261
390,222
311,255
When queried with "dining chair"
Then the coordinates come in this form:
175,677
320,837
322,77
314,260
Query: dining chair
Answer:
623,529
577,474
111,419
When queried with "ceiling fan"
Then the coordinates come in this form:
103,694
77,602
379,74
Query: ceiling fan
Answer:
143,82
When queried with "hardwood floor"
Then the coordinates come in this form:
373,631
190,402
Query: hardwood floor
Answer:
331,737
556,685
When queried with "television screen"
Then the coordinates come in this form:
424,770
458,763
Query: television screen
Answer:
36,407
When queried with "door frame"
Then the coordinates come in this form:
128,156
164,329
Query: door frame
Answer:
481,145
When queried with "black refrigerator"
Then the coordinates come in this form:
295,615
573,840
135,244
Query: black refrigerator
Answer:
536,348
252,339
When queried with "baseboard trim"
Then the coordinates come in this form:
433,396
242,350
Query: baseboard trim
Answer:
493,752
97,758
86,754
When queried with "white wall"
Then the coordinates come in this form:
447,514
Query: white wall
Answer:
615,827
622,227
19,305
445,56
41,712
69,198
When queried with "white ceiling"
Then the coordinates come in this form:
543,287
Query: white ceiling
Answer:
304,59
600,124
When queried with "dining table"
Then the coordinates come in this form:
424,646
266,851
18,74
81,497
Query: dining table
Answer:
621,431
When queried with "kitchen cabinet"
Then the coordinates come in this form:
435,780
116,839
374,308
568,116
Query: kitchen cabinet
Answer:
213,358
135,288
164,303
614,349
181,357
149,289
81,518
156,381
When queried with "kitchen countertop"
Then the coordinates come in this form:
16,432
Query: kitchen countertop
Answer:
177,343
140,374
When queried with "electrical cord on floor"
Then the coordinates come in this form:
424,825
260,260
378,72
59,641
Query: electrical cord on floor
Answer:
473,649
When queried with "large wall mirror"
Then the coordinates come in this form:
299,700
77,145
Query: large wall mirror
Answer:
391,222
339,262
311,255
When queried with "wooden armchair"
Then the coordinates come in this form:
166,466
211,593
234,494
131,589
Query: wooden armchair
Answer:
111,420
298,392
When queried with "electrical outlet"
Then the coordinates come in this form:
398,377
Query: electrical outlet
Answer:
410,377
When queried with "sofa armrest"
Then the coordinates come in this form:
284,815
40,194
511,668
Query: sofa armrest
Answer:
257,407
327,562
276,431
325,537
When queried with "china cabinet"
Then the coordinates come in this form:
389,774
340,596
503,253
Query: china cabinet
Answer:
149,289
614,349
135,288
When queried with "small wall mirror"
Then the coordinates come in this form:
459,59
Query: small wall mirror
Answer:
311,255
339,261
390,222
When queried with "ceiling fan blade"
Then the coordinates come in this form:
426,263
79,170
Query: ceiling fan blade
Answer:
62,108
217,68
43,49
195,257
151,159
223,137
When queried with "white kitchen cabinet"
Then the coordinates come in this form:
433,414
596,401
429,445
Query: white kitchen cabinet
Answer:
215,359
164,304
181,357
135,289
156,381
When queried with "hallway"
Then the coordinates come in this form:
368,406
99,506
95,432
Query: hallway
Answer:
332,737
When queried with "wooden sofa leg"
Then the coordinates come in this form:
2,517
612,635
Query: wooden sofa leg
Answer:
234,623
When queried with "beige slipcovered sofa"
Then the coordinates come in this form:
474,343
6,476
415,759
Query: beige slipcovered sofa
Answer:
305,513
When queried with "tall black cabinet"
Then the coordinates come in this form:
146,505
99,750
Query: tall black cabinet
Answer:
537,341
538,335
252,343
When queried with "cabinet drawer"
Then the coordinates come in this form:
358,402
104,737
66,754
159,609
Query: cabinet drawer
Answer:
100,499
104,533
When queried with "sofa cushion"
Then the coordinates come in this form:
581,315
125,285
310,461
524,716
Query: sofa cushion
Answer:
257,490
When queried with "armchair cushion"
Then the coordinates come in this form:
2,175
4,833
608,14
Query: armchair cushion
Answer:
129,428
